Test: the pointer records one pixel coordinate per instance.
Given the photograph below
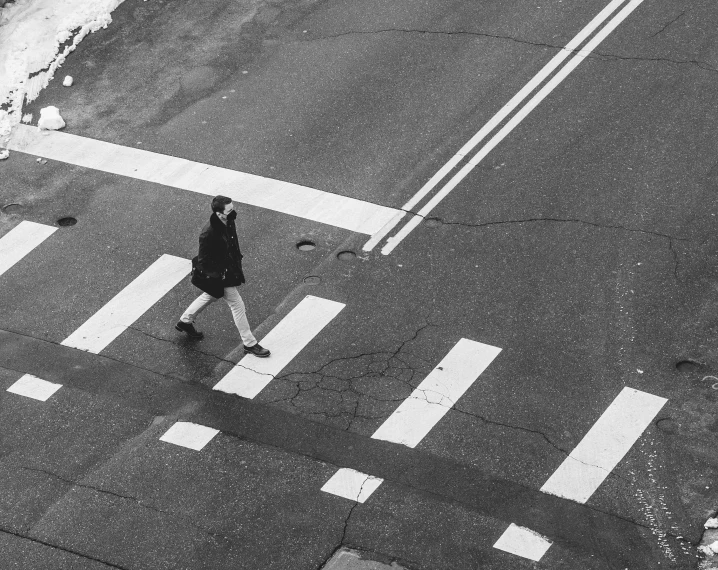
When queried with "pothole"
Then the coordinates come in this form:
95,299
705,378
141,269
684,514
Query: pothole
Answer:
12,208
306,245
667,425
66,222
432,222
312,280
346,255
687,366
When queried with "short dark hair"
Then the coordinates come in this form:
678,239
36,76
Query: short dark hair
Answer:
219,202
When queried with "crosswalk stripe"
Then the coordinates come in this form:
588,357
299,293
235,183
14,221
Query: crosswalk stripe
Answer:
605,444
421,411
523,542
129,304
20,241
285,197
188,434
286,340
33,387
596,455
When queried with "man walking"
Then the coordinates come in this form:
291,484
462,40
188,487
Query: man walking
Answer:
217,271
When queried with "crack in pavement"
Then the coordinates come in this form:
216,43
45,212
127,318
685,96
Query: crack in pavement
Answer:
674,20
136,500
593,55
386,363
444,401
576,221
63,549
193,349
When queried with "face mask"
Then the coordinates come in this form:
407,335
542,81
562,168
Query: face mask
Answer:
232,215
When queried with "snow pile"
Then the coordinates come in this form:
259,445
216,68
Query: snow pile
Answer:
35,38
709,549
50,119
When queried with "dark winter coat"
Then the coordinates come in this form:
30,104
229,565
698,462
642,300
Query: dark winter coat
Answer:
219,262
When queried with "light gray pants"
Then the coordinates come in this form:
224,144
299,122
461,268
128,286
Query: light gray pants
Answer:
234,300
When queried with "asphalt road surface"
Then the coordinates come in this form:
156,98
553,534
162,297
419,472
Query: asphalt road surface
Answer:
537,359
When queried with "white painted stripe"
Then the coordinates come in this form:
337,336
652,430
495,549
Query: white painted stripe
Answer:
605,444
523,542
352,485
285,197
129,304
187,434
439,391
510,125
420,412
285,340
34,387
20,241
593,459
497,118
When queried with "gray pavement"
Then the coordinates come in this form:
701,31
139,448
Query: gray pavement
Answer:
582,246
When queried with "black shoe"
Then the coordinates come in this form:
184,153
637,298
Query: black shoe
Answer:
257,351
189,329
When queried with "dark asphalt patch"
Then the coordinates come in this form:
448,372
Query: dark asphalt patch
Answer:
566,523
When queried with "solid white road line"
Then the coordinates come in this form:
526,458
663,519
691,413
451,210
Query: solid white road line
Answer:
420,412
512,123
285,197
187,434
285,340
596,455
20,241
129,304
34,387
523,542
605,444
496,120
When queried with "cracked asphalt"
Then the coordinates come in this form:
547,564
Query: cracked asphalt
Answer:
583,246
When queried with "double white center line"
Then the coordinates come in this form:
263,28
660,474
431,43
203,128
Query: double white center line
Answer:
498,118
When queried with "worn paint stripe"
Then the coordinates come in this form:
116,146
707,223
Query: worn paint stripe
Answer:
20,241
287,339
285,197
129,304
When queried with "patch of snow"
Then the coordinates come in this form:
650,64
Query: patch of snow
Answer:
709,549
50,119
67,82
711,523
35,38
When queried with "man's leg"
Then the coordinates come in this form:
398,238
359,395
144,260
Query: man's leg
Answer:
186,322
234,300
